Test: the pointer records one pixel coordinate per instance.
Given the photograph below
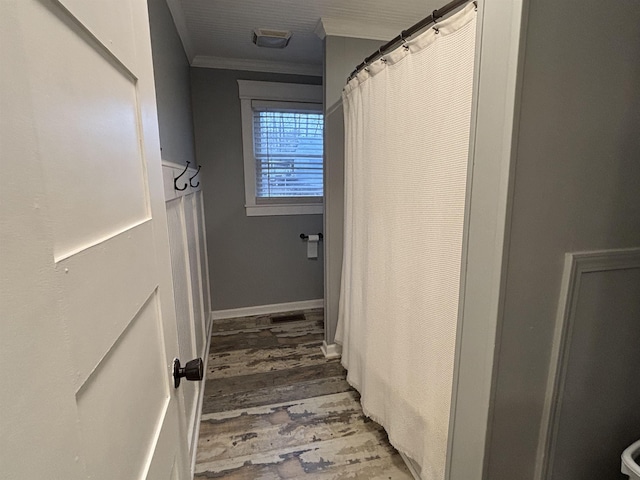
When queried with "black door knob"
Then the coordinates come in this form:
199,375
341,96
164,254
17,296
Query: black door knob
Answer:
193,370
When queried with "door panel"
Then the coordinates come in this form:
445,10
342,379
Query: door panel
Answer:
93,245
95,321
88,124
113,26
166,453
114,426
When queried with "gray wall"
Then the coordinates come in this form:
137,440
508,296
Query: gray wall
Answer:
576,187
252,260
341,57
171,72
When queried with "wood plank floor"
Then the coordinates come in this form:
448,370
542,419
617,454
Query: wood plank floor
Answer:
275,408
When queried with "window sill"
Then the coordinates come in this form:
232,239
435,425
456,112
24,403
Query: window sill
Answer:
270,210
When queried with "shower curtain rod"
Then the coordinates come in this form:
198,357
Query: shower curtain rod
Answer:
405,34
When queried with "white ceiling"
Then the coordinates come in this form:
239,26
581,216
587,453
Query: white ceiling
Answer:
217,33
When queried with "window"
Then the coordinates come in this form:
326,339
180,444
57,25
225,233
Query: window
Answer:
282,130
287,145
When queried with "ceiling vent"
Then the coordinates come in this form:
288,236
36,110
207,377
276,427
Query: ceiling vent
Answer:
271,38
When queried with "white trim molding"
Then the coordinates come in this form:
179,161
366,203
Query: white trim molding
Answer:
575,266
341,27
284,209
253,65
332,350
278,91
196,429
267,309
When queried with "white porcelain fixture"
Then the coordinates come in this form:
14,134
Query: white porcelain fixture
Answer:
630,458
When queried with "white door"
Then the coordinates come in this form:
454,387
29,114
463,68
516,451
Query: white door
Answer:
87,314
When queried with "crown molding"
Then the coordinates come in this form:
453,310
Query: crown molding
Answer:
180,21
341,27
206,61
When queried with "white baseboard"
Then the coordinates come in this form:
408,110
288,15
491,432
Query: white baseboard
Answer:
412,466
196,430
267,309
331,351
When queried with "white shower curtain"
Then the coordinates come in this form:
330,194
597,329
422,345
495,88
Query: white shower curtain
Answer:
407,136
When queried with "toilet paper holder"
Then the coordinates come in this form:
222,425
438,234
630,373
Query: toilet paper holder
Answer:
306,237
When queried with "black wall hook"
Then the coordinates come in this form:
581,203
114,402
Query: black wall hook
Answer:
194,176
175,180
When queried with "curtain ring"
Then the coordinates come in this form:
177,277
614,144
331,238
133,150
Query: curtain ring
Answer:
475,3
405,45
434,17
382,59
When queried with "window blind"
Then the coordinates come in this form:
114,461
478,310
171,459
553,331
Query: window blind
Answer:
288,148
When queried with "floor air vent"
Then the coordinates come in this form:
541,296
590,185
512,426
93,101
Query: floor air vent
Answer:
294,317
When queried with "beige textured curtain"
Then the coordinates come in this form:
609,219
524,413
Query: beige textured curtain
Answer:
407,137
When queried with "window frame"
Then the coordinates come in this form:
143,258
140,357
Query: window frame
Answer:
249,91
